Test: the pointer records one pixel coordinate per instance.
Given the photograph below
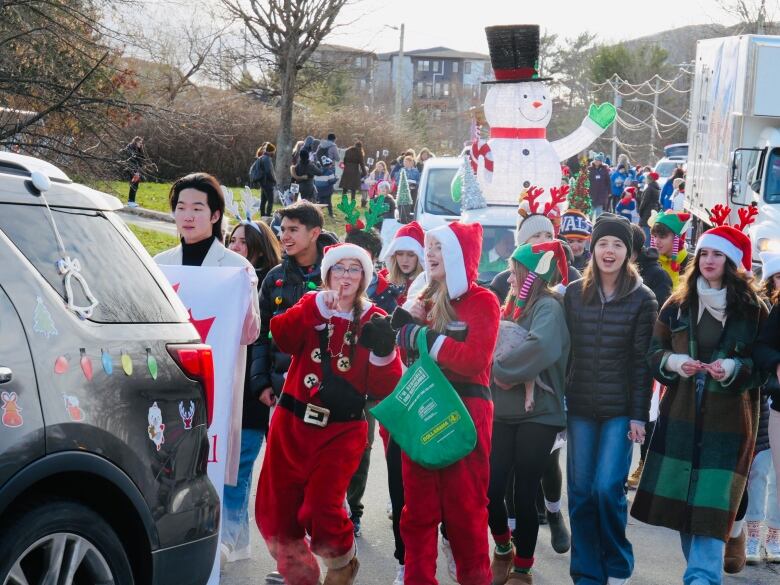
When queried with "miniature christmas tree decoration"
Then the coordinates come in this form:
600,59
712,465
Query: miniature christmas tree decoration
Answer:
42,320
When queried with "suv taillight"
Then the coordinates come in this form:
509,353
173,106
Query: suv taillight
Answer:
197,362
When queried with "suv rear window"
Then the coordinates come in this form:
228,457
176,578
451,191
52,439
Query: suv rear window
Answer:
438,192
119,280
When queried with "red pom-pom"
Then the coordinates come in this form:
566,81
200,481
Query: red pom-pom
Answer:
675,266
279,282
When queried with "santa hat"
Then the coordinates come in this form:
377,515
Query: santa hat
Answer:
770,264
629,192
575,224
338,252
409,238
461,246
731,242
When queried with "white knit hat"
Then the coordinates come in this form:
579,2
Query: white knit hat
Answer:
338,252
770,264
531,225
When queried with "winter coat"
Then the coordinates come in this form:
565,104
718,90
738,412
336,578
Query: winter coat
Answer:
255,413
382,293
600,185
309,170
653,276
325,183
328,148
545,353
618,182
762,437
767,354
580,262
698,459
354,169
649,202
135,161
666,194
287,283
608,373
627,208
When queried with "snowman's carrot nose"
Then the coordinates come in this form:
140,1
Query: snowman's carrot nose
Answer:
537,104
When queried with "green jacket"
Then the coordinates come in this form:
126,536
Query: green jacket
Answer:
698,461
546,353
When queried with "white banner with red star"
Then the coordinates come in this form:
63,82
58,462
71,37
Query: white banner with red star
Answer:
217,300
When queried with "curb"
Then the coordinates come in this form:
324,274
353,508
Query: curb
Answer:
148,213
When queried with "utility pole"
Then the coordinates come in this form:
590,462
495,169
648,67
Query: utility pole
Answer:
617,102
399,78
654,125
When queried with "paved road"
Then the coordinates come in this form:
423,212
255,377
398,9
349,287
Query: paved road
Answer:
150,224
659,560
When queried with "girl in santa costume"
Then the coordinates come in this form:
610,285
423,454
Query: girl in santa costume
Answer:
404,258
341,346
702,446
532,354
457,494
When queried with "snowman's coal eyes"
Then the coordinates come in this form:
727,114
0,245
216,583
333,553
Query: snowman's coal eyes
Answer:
525,96
544,97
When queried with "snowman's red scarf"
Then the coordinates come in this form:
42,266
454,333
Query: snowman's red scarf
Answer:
518,133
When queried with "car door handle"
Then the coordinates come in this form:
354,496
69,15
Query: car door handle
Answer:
6,375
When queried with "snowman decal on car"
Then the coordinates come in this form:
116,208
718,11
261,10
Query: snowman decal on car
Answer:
518,108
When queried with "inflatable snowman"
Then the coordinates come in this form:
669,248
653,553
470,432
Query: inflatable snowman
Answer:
518,108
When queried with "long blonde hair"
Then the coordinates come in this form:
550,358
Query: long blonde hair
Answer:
395,273
441,313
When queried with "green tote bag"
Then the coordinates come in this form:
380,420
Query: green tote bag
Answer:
425,415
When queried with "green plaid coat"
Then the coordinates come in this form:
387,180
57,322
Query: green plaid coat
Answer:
698,462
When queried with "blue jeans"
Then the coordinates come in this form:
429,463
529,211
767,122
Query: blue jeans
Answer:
599,458
597,210
235,500
762,491
704,555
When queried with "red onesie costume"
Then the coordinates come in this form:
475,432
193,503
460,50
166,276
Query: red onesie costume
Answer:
308,466
457,495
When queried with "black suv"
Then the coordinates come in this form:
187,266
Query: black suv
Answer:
103,443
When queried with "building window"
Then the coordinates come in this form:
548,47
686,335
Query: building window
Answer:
359,62
423,65
467,68
362,84
445,89
420,89
454,66
436,66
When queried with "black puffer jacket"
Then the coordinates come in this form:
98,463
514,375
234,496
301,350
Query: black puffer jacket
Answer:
289,283
651,197
255,413
762,438
608,371
653,275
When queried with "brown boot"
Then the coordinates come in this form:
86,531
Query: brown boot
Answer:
500,566
734,558
343,576
516,578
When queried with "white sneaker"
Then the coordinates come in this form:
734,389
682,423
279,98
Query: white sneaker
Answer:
617,581
399,576
772,548
132,204
511,522
446,550
224,553
274,578
753,550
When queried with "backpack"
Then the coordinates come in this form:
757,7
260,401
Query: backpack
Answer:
256,172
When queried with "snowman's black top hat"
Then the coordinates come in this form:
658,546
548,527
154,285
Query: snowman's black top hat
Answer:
514,53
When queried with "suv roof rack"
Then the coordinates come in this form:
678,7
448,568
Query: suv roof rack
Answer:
19,164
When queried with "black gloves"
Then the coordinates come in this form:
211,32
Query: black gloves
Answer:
378,336
400,318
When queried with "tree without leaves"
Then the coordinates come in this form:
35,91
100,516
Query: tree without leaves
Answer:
289,31
753,15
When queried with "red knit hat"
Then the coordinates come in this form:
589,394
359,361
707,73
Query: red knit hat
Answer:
409,238
730,241
653,175
461,246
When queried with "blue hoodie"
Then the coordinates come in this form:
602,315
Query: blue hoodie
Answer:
325,181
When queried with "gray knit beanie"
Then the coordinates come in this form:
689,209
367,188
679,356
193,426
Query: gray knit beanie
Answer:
531,225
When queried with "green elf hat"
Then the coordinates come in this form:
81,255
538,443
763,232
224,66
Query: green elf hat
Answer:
538,258
678,222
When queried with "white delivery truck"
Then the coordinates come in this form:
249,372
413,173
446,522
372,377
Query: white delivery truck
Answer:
734,134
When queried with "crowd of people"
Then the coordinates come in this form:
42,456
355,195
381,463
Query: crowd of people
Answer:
593,316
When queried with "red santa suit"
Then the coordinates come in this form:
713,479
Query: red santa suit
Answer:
408,238
457,495
308,465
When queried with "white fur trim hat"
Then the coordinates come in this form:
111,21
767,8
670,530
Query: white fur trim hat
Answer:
770,264
338,252
461,246
729,241
409,238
